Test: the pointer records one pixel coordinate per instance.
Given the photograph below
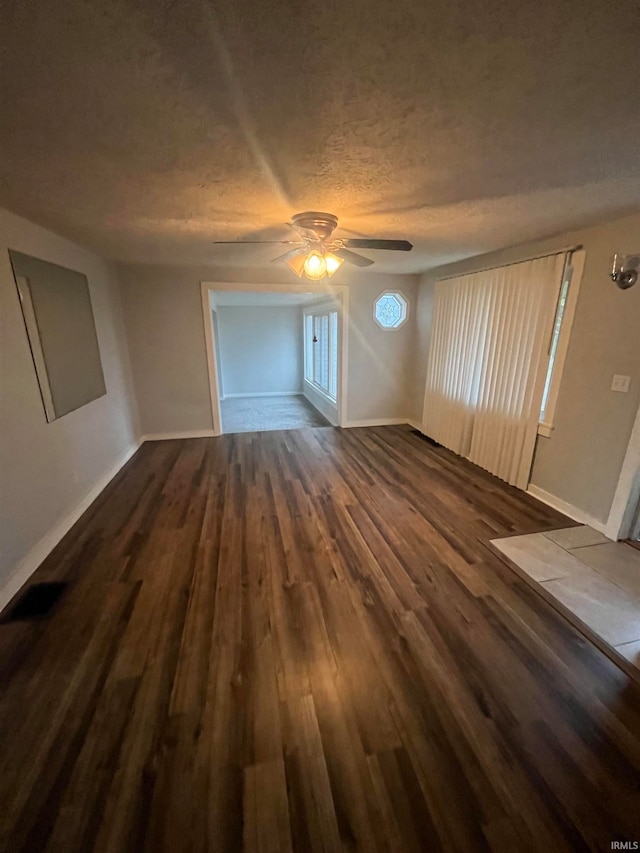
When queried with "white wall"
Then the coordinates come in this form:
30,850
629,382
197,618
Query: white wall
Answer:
47,470
261,349
580,463
163,316
380,360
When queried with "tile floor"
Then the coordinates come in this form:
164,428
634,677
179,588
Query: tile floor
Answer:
596,579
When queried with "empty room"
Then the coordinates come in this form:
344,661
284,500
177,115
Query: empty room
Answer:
319,426
275,353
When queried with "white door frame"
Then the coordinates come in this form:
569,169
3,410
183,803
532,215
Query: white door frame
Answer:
339,292
627,494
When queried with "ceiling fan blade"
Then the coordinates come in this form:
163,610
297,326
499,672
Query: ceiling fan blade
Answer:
392,245
353,258
290,254
255,242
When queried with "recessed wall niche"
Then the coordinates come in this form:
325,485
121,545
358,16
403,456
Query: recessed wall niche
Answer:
58,317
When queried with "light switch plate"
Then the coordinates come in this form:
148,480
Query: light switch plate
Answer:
620,383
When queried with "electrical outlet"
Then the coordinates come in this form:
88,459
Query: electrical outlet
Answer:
620,383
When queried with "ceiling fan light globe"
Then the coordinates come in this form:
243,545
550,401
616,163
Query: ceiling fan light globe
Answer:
333,263
315,266
296,263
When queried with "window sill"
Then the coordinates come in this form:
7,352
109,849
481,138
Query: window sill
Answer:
545,430
319,390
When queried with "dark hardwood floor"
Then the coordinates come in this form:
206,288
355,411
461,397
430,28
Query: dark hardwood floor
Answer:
298,640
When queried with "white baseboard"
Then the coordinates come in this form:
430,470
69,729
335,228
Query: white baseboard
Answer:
27,566
416,425
371,422
164,436
566,508
265,394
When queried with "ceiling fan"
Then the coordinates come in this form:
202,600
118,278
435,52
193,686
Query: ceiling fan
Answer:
316,253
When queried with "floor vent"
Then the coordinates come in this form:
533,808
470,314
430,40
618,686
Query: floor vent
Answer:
36,602
425,438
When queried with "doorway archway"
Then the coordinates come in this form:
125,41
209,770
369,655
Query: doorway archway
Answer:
338,293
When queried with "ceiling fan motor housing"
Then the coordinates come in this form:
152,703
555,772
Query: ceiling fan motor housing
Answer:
315,225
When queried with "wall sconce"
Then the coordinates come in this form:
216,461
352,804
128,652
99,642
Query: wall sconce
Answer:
625,270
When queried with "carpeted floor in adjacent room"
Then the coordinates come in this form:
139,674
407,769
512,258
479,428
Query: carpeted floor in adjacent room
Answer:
260,414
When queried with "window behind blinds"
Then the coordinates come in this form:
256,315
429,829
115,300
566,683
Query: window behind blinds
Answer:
488,361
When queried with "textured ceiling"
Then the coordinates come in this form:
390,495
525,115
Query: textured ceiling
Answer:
147,129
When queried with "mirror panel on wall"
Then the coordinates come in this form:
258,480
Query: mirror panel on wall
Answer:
56,307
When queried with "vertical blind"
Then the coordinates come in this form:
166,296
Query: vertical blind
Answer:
487,363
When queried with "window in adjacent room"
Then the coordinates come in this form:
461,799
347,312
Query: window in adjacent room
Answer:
321,350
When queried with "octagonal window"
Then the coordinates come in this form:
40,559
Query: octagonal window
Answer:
390,309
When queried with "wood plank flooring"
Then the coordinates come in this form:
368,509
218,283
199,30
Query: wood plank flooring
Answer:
299,641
